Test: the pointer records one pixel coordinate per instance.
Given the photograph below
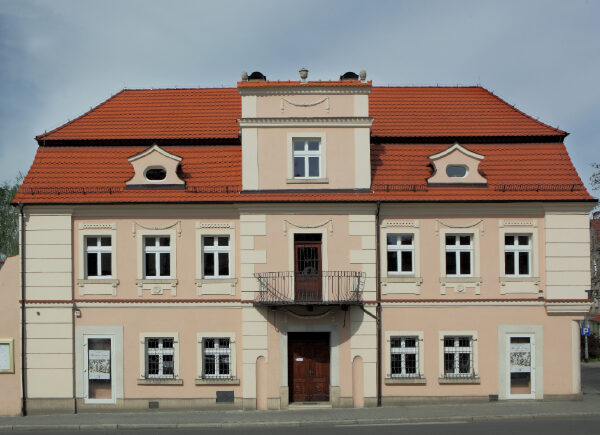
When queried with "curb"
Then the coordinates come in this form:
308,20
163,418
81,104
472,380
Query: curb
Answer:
265,424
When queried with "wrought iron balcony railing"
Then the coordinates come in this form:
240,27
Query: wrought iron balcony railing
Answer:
324,288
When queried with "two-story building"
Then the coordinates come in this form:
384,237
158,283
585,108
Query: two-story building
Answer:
286,242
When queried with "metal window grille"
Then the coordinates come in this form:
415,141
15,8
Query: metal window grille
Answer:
405,357
215,256
307,158
459,255
216,353
160,356
400,253
517,255
458,357
98,257
157,257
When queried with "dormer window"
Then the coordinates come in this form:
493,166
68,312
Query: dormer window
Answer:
456,165
456,171
155,168
307,158
155,174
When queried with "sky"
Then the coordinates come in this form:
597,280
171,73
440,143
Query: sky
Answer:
60,58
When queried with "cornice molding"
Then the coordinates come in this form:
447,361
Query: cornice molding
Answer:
306,90
349,121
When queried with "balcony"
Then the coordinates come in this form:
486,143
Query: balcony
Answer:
325,288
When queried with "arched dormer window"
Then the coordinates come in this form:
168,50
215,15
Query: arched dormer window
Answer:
155,168
456,165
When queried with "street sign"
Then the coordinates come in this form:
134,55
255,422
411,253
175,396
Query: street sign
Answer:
585,331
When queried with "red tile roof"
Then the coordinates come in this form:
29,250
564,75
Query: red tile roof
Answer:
515,172
212,114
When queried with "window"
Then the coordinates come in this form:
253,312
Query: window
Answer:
400,254
456,171
215,252
157,257
458,356
155,174
404,357
307,158
459,255
517,255
216,354
98,257
160,358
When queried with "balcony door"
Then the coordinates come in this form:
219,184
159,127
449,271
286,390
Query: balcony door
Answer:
307,267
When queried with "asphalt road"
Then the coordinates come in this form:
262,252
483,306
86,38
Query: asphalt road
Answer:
590,378
550,426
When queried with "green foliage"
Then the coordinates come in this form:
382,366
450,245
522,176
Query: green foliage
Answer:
595,178
9,218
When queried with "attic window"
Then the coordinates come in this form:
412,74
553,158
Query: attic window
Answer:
155,174
456,171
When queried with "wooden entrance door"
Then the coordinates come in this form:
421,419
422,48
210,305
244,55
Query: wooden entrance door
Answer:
308,367
307,267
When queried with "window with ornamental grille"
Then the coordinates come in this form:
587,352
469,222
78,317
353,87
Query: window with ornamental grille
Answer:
517,255
458,356
459,255
216,354
400,254
98,257
405,357
160,358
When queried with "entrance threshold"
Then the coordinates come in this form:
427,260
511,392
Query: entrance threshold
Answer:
310,405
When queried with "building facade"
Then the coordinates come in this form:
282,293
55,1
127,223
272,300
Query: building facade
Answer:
286,242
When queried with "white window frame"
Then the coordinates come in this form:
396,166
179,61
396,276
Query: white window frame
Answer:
399,248
215,250
532,394
216,285
142,357
307,135
516,249
456,249
473,377
156,249
102,285
306,154
9,343
113,377
99,250
201,378
156,285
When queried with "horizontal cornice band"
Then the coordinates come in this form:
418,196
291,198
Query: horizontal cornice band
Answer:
341,121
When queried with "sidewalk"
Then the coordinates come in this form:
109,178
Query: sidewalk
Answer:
588,407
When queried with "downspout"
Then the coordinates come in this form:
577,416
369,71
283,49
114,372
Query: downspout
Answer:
23,330
378,312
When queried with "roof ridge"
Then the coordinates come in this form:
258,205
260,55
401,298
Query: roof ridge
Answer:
42,136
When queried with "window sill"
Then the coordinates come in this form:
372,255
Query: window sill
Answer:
472,380
156,286
230,381
461,280
159,381
216,286
403,279
307,181
504,279
405,381
100,286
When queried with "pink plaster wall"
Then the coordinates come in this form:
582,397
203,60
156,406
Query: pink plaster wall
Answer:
10,294
270,106
188,322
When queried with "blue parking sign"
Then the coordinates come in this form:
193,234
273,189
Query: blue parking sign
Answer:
585,331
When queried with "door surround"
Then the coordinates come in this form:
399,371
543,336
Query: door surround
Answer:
116,334
504,331
334,366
